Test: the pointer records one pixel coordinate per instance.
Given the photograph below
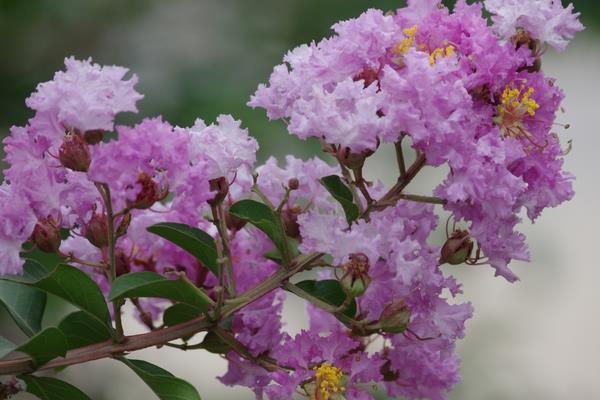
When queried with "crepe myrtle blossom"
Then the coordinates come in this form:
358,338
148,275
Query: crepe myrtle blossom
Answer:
545,20
384,309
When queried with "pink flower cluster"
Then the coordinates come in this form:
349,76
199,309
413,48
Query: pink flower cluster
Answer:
463,94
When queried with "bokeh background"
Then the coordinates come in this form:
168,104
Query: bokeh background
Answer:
536,339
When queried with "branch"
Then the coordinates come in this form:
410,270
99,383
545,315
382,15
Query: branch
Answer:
423,199
400,156
394,194
226,267
265,362
104,190
159,337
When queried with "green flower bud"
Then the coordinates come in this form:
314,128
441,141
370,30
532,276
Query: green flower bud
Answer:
356,279
457,249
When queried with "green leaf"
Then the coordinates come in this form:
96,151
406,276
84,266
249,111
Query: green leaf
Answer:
81,329
25,305
45,346
6,347
193,240
162,383
275,255
150,284
179,313
68,283
330,291
52,388
342,194
259,215
214,344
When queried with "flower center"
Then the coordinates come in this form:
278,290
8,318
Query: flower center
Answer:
409,40
441,51
516,105
329,380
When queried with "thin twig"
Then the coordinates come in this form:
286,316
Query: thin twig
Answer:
400,156
104,190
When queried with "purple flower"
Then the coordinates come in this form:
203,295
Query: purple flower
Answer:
224,146
16,225
545,20
86,96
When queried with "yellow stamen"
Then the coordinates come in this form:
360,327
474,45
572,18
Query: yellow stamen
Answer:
402,47
516,104
440,51
329,380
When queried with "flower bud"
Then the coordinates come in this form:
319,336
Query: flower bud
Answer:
290,221
74,153
356,279
93,136
294,184
46,235
389,375
10,386
96,230
353,160
149,194
122,263
523,38
394,317
234,223
368,75
457,249
124,225
221,187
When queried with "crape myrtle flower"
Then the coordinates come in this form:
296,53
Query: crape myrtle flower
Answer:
465,96
545,20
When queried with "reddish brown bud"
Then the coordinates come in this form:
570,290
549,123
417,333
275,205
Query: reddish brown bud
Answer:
353,160
74,153
457,249
124,225
93,136
149,194
221,187
389,375
122,263
356,279
369,75
523,38
293,184
9,387
96,230
46,235
290,221
234,223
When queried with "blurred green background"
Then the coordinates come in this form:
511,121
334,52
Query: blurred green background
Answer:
198,59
